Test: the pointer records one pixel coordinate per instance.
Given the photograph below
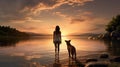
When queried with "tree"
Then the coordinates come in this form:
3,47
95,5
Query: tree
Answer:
114,24
8,31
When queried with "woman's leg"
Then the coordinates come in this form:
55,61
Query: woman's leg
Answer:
58,47
55,46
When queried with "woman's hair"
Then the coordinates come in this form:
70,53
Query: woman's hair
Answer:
57,29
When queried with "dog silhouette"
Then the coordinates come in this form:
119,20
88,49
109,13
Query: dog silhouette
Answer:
71,49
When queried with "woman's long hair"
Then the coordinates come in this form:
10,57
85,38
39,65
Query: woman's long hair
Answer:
57,29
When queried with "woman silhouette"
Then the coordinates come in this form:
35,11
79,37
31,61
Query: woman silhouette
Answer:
57,38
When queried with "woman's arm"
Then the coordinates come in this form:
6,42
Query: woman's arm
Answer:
53,36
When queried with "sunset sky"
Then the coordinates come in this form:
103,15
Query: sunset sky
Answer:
73,16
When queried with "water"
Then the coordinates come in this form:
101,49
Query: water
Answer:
39,51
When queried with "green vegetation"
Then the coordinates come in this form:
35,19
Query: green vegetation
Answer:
7,31
114,24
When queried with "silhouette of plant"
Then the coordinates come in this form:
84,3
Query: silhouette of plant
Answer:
8,31
114,24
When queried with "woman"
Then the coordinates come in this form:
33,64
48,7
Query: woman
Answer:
57,38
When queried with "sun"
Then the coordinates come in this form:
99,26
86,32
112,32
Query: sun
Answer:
64,33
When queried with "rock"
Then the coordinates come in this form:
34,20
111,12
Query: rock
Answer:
91,60
90,37
96,64
100,36
104,56
115,35
117,59
106,36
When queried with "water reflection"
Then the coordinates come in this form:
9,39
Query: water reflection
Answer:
56,57
39,51
57,61
7,42
13,41
113,47
71,63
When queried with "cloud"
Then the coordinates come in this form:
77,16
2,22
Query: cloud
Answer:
20,9
97,27
82,17
60,14
26,15
88,22
77,20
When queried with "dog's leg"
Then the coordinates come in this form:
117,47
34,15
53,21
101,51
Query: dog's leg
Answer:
72,56
75,55
69,53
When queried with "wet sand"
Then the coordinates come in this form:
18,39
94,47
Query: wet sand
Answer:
82,61
72,63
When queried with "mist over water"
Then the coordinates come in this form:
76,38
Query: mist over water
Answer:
40,50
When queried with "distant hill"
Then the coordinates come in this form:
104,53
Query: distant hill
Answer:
37,34
8,31
86,34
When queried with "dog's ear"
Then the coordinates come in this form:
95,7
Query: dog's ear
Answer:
65,40
69,40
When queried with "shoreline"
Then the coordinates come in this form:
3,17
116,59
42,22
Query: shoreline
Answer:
82,60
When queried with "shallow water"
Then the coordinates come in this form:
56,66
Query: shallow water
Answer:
39,51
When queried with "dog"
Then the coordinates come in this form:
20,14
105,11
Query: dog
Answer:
71,49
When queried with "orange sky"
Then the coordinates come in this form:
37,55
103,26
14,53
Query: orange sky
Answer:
73,16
